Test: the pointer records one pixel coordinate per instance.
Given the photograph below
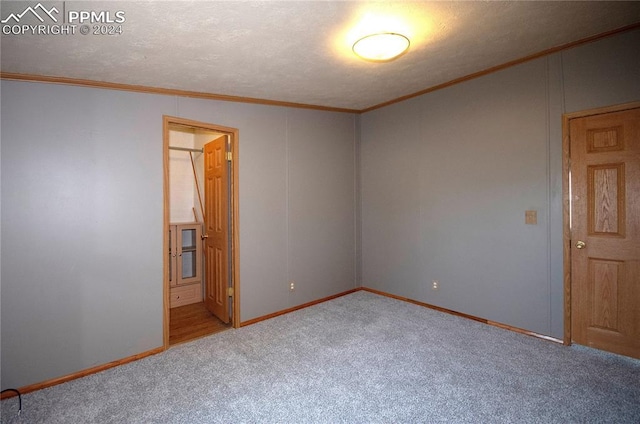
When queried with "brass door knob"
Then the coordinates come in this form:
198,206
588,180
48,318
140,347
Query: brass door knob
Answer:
580,244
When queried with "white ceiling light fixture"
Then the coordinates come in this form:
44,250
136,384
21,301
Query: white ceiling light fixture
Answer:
381,47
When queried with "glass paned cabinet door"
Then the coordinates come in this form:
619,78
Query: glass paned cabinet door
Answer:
189,264
189,259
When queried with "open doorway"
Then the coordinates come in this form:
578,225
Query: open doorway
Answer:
201,284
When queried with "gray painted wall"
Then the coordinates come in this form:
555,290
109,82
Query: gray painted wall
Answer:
81,228
447,177
82,218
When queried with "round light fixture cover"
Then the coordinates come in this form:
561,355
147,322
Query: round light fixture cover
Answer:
381,47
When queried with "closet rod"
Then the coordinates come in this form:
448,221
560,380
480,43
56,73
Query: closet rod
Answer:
185,149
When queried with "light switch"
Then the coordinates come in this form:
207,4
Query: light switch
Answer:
531,217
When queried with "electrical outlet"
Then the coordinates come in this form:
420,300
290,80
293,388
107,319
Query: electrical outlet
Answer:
292,286
435,285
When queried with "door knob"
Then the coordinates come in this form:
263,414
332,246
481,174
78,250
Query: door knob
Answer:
580,244
204,236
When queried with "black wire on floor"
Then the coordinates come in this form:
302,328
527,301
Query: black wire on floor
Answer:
19,398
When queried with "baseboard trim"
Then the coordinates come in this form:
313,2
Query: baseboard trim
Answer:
83,373
463,315
295,308
103,367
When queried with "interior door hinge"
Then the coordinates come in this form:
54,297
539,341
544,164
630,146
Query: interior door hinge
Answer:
229,156
230,291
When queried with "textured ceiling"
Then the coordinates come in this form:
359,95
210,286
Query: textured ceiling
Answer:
301,51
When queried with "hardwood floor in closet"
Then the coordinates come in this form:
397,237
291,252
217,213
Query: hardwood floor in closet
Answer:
193,321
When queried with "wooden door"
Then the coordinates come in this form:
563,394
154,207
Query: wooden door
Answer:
605,231
216,237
